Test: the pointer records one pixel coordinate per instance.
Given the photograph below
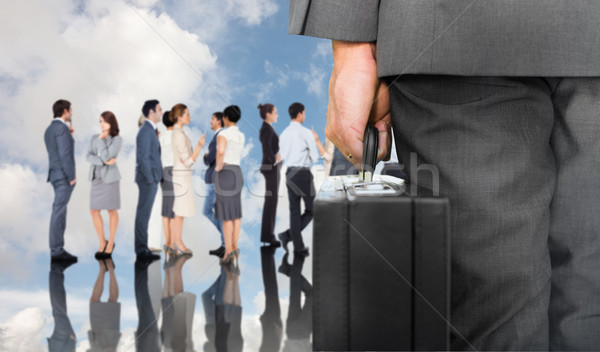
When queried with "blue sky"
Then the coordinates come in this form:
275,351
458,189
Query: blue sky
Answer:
113,55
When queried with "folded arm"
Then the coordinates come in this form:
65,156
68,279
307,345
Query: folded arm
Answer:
110,150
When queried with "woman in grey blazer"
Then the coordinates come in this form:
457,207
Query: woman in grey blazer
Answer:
104,175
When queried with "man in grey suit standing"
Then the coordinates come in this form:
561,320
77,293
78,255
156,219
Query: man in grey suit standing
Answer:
502,97
148,174
61,173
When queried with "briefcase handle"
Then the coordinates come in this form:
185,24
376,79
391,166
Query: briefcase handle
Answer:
369,160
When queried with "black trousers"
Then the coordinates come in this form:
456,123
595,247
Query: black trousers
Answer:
270,206
518,159
300,186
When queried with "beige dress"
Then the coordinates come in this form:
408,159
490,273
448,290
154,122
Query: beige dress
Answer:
182,174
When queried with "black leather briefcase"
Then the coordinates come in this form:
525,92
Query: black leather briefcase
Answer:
381,267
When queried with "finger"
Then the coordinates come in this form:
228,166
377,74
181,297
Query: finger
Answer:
385,138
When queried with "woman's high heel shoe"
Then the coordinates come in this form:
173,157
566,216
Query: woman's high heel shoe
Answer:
107,254
179,251
169,250
228,258
99,255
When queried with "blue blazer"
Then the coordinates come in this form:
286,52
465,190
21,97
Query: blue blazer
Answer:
210,159
61,152
148,167
100,151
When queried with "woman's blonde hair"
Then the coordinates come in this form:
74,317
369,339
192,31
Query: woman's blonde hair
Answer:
141,120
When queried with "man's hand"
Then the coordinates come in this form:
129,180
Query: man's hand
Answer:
357,97
111,161
72,183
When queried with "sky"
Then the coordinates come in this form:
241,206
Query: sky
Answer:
113,55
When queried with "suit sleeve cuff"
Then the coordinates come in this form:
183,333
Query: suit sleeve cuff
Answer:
348,20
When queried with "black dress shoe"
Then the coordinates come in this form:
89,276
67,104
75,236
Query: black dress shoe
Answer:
218,252
274,243
64,257
147,256
60,266
301,251
284,239
285,267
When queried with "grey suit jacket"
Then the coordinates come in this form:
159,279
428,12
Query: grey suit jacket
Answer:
148,167
61,152
463,37
100,151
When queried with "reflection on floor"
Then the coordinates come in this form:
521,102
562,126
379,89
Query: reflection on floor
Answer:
165,310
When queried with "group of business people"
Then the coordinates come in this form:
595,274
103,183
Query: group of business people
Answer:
298,148
176,151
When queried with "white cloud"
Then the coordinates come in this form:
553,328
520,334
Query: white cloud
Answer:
110,56
23,331
253,12
280,76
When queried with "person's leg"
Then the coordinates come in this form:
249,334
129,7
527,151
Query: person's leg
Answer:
113,220
177,233
99,284
295,217
486,142
167,230
209,209
99,226
228,234
309,197
58,219
270,205
237,226
575,222
146,195
113,286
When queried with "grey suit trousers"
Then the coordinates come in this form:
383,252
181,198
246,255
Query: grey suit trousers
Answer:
519,159
58,219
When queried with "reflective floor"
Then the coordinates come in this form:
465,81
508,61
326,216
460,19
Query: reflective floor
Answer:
262,302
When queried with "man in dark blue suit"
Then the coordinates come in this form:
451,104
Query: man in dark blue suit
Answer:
61,173
148,173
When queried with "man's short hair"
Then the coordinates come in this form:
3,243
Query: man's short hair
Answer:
149,105
219,116
60,106
295,109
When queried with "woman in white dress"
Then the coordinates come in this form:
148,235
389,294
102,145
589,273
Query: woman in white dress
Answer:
184,157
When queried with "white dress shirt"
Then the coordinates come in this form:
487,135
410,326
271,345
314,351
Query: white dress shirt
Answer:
235,145
61,120
297,146
166,154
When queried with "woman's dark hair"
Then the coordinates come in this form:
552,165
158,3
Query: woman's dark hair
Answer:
166,119
233,113
265,109
149,105
59,107
111,119
295,109
176,112
219,116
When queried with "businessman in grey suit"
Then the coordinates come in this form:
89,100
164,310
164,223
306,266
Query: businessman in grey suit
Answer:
148,174
61,173
501,100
